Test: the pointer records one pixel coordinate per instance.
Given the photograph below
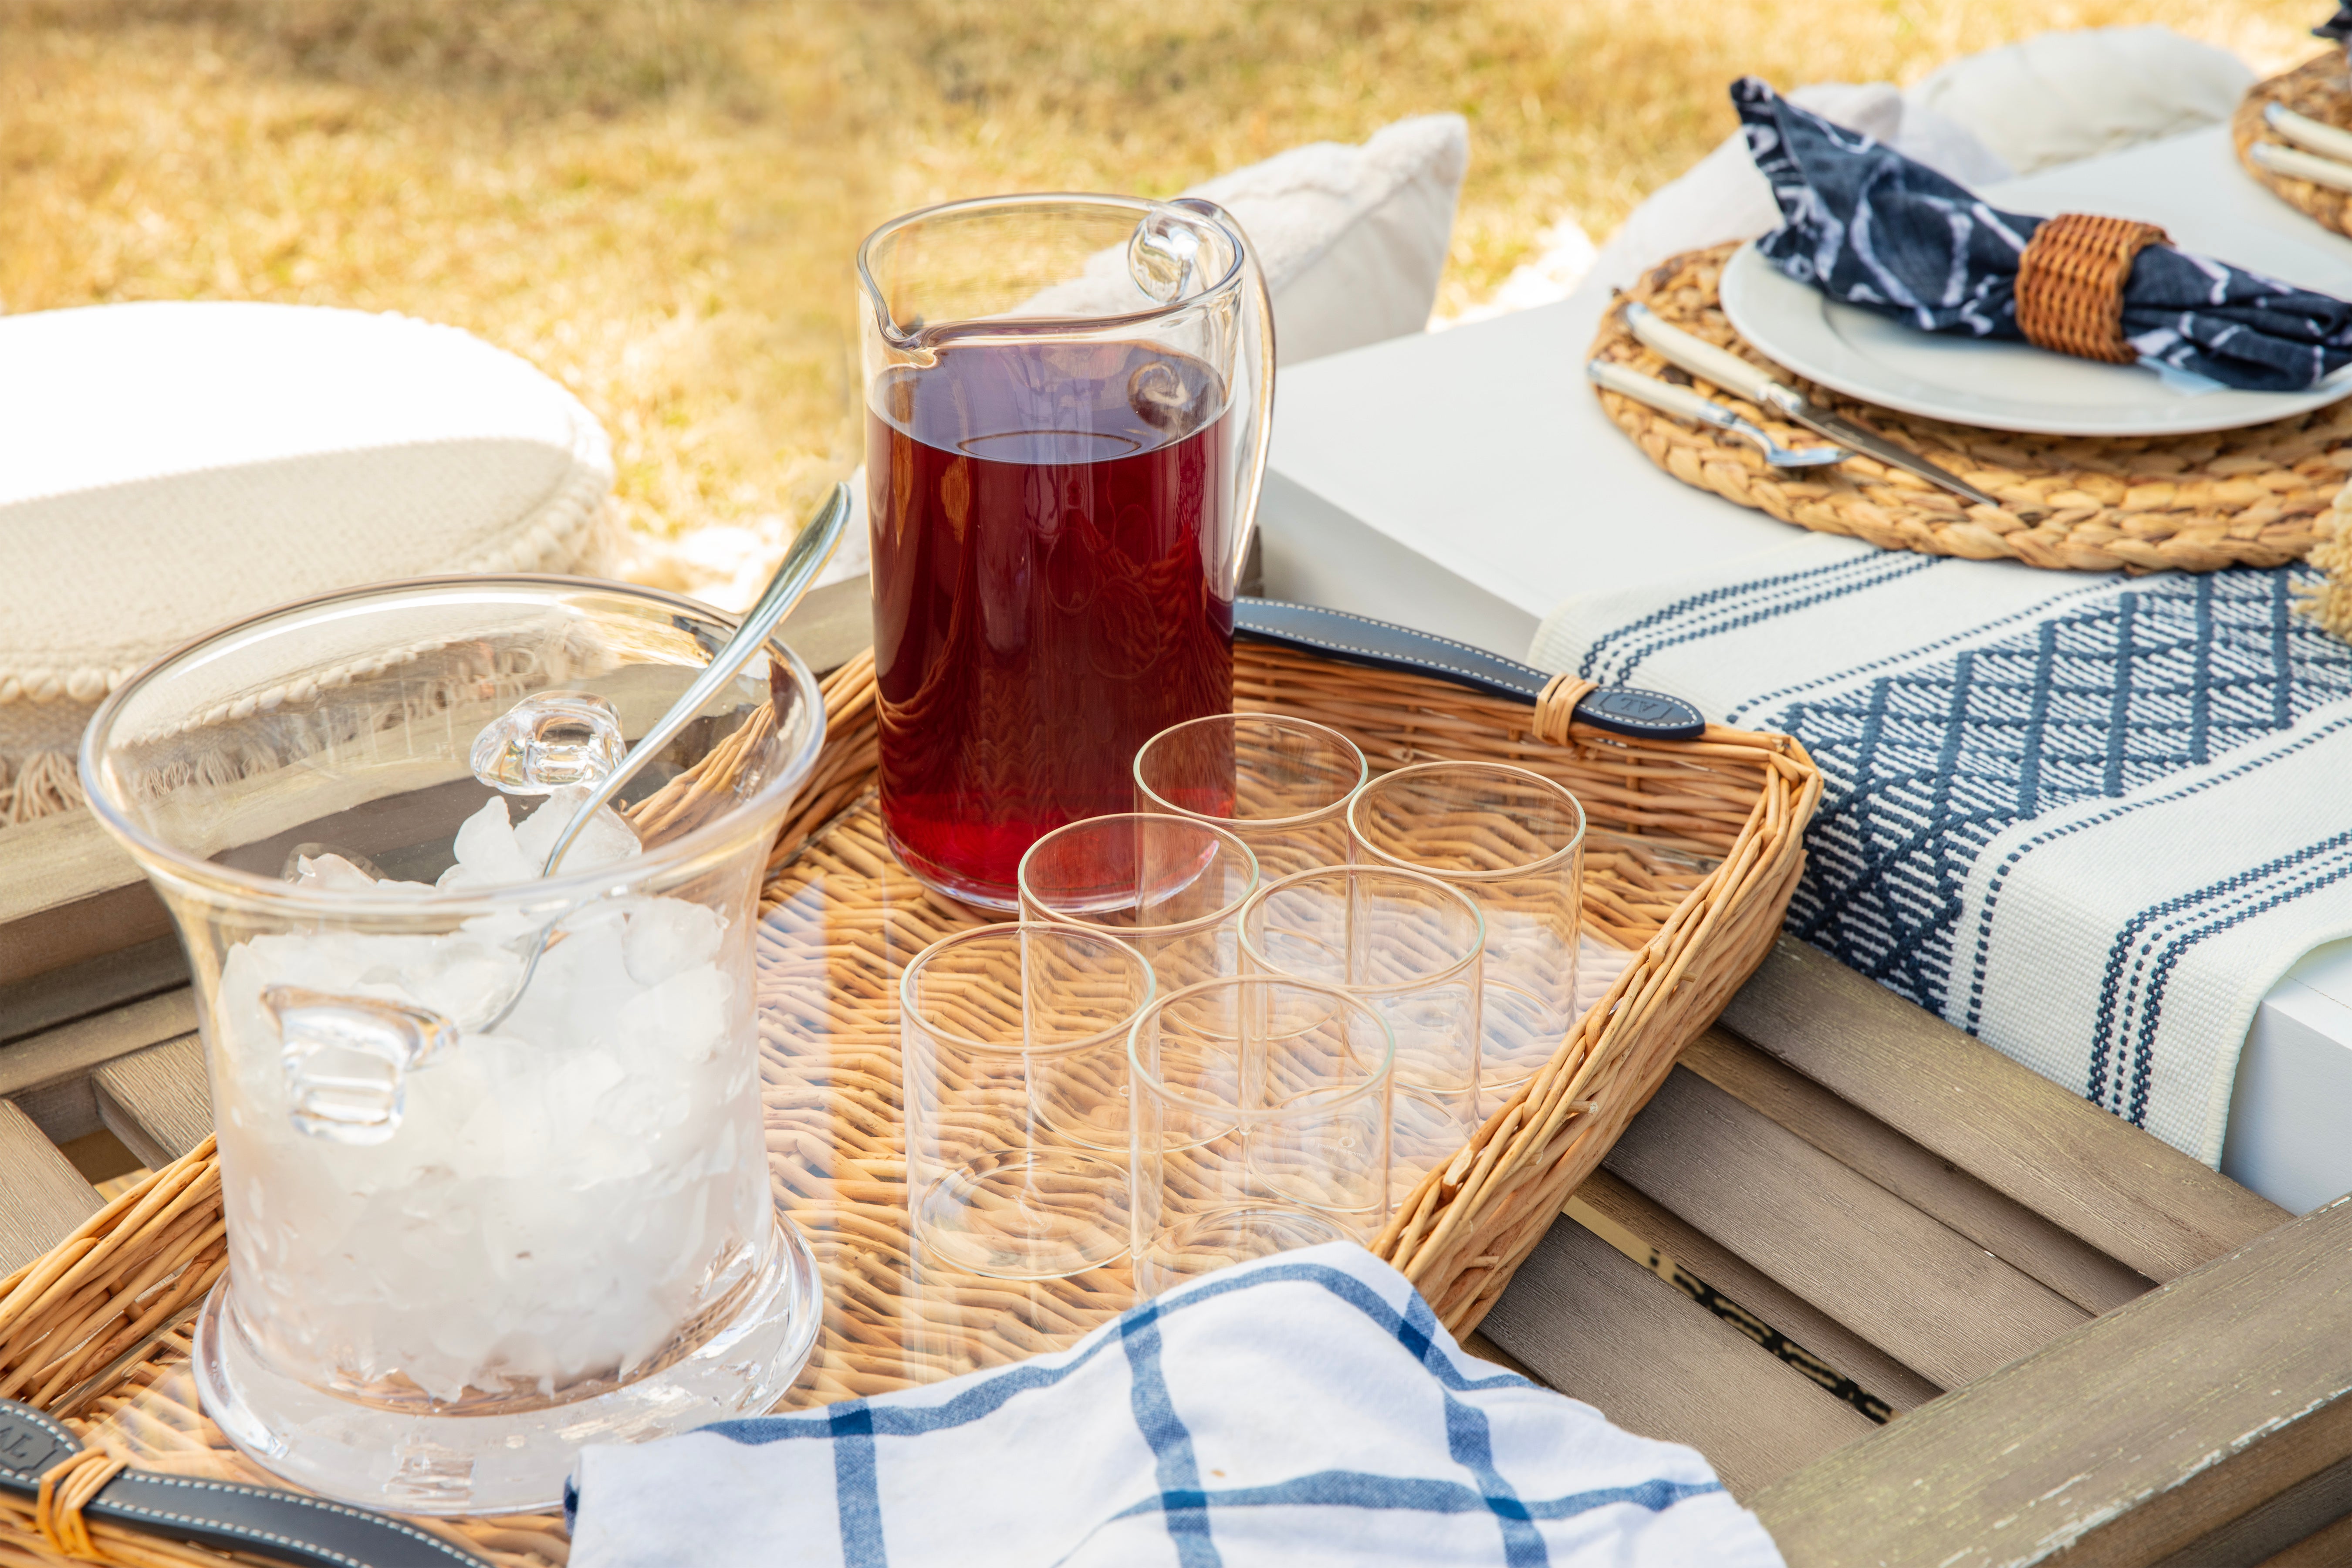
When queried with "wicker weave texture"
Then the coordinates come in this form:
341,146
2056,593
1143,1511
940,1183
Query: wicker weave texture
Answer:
2070,284
2320,89
2250,496
1693,850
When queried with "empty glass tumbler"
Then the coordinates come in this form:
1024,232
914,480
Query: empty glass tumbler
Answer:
1514,842
1273,1135
1167,886
1014,1044
464,1240
1281,784
1408,946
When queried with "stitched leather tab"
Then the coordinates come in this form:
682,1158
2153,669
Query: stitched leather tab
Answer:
29,1443
1383,645
285,1526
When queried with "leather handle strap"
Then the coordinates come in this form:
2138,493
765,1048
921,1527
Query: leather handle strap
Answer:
1383,645
289,1527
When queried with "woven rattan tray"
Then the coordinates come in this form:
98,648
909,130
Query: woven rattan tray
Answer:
2322,89
1695,850
2252,497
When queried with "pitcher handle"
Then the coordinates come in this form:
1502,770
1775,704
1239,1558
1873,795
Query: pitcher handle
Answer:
1256,362
347,1059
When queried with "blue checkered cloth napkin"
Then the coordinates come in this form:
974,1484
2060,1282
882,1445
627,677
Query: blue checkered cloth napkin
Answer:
1306,1409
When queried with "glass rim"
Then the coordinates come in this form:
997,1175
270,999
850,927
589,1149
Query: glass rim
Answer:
1477,925
1015,201
706,841
1303,819
909,1012
1133,934
1377,1079
1549,862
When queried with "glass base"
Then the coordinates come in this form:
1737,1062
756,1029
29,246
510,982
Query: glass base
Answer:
1035,1214
962,889
500,1462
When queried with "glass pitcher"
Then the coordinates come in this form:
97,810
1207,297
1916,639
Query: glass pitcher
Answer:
467,1238
1067,405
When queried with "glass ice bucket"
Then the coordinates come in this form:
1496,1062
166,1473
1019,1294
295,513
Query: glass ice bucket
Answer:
465,1243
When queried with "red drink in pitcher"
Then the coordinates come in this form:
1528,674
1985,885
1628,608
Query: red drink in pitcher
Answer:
1053,538
1067,399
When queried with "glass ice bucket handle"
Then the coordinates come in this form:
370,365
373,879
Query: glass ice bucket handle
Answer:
347,1059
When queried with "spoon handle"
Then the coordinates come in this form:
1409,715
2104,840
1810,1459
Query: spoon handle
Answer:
809,553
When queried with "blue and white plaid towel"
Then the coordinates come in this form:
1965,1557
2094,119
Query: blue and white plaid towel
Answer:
1303,1410
2089,819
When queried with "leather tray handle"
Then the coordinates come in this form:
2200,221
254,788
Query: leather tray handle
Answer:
288,1527
1358,640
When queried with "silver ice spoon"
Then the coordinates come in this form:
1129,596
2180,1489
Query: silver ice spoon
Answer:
1683,404
802,562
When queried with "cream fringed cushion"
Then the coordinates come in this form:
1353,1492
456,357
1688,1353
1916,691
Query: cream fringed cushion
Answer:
166,467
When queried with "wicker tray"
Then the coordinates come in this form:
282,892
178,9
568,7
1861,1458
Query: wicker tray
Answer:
1695,849
2253,497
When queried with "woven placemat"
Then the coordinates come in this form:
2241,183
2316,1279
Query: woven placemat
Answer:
2232,498
2322,89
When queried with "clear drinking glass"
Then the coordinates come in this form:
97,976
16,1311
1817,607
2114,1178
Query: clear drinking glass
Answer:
1282,1144
1013,1035
1281,784
463,1244
1167,886
1067,402
1408,946
1514,841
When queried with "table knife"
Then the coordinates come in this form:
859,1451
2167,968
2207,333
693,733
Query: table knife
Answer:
1737,376
1683,404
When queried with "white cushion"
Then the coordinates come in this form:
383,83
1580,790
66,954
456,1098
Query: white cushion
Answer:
1724,199
1983,118
166,467
1352,239
2059,97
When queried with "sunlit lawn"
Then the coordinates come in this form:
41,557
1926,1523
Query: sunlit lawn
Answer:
655,200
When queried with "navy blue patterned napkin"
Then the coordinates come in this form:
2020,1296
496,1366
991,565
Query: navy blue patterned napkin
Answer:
1865,225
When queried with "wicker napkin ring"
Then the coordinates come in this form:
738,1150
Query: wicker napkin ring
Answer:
2070,284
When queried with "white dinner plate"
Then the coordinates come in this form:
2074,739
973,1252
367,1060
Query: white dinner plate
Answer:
2013,386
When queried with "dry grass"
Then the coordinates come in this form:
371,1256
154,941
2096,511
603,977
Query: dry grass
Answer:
655,200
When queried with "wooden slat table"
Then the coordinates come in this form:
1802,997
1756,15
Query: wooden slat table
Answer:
1918,1305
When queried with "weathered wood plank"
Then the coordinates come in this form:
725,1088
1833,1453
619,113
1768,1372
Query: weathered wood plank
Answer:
2258,1535
93,985
1599,1326
74,1049
68,893
2136,1199
1925,1294
42,1196
157,1101
1860,1142
2132,1437
1824,1336
2328,1548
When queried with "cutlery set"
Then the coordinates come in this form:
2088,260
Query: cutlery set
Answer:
2322,153
1725,370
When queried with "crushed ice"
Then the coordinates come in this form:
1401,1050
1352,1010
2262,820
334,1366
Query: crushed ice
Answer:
560,1196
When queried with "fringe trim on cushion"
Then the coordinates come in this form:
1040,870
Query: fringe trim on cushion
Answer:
43,785
572,531
2330,602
